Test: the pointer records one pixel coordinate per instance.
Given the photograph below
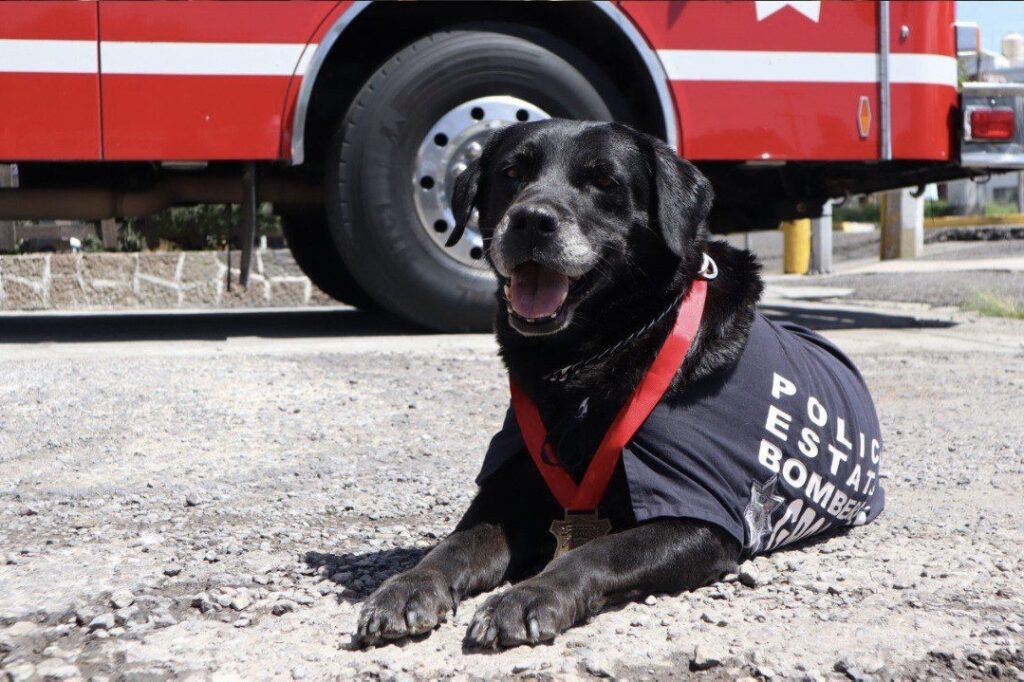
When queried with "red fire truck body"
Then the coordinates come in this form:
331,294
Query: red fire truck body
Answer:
116,108
221,80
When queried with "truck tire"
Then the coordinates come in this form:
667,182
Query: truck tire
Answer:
309,239
410,130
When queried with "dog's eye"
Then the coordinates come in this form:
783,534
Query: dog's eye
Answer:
603,181
511,172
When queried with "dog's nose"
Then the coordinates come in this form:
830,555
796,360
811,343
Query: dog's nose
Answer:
535,218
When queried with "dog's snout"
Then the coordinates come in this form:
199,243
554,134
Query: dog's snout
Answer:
536,218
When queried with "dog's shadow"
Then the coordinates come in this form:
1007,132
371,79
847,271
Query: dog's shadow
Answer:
361,574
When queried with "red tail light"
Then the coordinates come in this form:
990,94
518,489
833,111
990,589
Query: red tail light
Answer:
992,124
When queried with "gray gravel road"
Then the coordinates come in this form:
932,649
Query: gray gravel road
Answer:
932,288
960,289
217,505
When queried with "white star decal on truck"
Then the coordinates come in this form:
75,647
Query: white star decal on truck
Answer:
809,8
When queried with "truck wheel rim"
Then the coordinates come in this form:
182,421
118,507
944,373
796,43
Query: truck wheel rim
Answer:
447,149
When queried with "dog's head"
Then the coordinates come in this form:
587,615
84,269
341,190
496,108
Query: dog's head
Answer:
570,211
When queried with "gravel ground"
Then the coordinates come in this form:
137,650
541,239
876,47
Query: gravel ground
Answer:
932,288
967,250
960,289
217,506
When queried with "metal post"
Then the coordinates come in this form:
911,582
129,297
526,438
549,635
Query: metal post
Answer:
902,225
227,250
796,246
884,99
1020,191
108,233
821,241
248,222
8,237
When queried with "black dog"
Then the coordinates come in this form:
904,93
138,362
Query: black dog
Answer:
596,232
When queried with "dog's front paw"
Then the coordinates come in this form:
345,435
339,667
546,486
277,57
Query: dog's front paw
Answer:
409,604
529,613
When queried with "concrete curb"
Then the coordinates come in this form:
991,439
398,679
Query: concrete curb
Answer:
873,266
974,220
900,266
941,222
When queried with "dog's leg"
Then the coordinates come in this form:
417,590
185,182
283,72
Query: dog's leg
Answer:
663,556
494,542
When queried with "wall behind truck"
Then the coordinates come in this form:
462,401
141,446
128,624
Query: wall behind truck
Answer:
152,281
1001,190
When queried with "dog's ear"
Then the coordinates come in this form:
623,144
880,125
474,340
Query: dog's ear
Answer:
682,199
467,185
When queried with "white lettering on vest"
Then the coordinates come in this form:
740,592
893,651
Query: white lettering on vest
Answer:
838,502
777,422
838,456
808,444
816,411
794,472
854,480
817,492
841,433
769,456
782,386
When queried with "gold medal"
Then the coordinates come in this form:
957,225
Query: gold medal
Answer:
577,529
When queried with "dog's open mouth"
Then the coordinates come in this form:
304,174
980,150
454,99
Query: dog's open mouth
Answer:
536,297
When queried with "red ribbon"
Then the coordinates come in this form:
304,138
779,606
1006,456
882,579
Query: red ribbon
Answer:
631,416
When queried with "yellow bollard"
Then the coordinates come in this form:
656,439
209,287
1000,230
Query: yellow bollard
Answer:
796,246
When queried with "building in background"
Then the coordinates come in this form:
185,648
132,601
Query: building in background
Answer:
1006,66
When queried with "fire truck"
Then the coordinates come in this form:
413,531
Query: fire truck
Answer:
355,118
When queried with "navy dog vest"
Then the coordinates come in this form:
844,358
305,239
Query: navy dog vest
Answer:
784,445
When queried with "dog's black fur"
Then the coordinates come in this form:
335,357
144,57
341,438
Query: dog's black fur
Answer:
640,211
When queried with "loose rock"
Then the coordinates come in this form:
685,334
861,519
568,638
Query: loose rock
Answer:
705,658
56,669
122,599
22,628
282,607
597,665
103,622
19,671
750,575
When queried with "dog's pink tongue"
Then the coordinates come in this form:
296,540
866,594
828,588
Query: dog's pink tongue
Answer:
537,291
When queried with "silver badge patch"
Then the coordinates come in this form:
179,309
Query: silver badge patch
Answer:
758,514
